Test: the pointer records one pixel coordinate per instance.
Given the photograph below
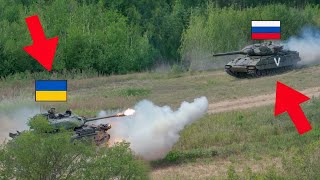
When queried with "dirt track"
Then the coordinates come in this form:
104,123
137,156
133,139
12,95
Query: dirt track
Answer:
253,101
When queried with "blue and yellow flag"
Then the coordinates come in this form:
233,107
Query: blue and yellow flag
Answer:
51,90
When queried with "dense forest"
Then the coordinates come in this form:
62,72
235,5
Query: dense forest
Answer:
117,36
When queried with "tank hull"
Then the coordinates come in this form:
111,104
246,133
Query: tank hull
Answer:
255,66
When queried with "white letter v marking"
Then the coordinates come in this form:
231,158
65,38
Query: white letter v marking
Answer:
277,61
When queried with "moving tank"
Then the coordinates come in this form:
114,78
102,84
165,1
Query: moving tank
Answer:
79,125
261,59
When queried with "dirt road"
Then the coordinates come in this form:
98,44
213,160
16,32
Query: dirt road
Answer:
253,101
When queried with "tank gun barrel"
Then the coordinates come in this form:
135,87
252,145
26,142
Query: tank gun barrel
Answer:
228,53
105,117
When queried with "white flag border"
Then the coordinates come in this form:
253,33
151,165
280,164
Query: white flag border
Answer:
265,23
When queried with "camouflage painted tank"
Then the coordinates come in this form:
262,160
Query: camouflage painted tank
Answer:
261,59
78,125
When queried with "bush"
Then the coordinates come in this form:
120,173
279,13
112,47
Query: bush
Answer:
40,124
180,156
116,162
36,155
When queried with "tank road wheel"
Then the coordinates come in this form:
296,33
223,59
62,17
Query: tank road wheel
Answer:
290,68
258,73
272,72
263,72
235,74
231,73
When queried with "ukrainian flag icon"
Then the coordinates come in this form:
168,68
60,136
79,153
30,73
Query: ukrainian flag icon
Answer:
51,90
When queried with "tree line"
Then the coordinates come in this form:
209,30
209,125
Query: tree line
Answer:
119,36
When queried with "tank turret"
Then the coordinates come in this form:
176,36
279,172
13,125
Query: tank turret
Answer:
68,120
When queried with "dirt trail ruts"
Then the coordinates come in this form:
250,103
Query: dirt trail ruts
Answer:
253,101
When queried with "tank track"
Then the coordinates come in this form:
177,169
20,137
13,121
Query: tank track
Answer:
259,73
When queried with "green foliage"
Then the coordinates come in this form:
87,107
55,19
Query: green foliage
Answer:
271,173
173,156
90,36
40,124
232,175
184,156
43,156
52,156
116,162
303,163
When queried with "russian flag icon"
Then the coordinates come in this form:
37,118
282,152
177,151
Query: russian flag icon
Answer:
264,30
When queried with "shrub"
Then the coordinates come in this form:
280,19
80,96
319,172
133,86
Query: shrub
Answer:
38,155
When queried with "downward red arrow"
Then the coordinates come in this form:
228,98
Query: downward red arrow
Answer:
289,100
42,49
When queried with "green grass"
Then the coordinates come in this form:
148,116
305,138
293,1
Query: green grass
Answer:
249,144
252,132
255,135
178,157
123,91
126,92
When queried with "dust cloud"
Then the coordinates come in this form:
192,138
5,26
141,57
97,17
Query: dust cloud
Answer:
307,44
15,119
153,130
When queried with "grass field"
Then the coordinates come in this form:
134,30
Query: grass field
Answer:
252,139
237,144
125,90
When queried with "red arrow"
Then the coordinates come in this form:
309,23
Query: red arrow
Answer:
289,100
42,49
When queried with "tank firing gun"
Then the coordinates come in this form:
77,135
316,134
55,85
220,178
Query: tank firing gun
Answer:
71,121
127,112
79,125
100,134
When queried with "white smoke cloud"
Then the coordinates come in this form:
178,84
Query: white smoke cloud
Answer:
307,44
152,130
15,119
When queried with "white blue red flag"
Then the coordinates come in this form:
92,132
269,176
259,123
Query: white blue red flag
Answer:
261,30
